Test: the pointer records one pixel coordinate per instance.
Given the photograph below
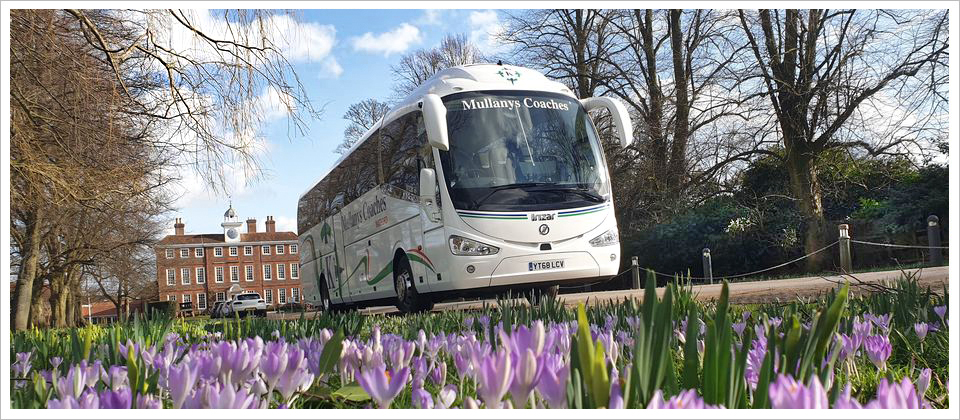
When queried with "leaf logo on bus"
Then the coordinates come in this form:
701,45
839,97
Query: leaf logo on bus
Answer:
511,75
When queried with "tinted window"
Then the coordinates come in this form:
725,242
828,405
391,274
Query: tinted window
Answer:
402,142
251,296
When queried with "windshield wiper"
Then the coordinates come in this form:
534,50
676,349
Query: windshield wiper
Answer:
494,190
583,192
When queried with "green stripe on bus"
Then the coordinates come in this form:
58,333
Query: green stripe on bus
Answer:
416,258
578,214
381,275
494,217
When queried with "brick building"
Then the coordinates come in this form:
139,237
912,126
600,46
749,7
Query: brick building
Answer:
210,267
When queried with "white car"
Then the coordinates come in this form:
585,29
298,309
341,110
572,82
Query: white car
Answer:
246,303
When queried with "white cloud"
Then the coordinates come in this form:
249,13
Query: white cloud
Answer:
330,68
396,41
286,224
485,27
431,17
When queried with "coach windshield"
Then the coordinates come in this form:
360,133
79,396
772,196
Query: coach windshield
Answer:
521,150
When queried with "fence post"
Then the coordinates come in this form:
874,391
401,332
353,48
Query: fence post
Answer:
846,262
707,265
635,270
933,240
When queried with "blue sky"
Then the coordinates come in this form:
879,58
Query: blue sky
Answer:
365,43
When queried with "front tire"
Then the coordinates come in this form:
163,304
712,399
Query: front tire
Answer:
408,300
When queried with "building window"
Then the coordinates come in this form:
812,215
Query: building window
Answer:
201,275
198,252
186,299
266,272
265,250
281,272
280,249
218,251
268,296
233,251
249,272
294,270
218,274
294,249
295,294
234,274
184,252
185,275
221,296
248,250
281,296
171,298
201,301
171,277
170,253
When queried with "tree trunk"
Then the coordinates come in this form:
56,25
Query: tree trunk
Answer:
678,152
806,188
28,271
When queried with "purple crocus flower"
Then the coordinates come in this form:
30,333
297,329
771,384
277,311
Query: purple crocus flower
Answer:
215,395
923,382
447,396
116,377
746,315
878,350
149,402
845,401
382,385
22,366
116,399
882,322
494,374
88,400
941,312
421,398
685,400
526,375
553,381
921,328
439,374
297,376
786,392
55,362
180,382
738,328
896,395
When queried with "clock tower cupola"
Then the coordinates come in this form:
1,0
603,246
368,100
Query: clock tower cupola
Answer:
231,225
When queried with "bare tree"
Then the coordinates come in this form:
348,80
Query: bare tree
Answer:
838,79
362,116
418,66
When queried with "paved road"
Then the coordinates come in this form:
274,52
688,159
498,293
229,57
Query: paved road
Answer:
745,292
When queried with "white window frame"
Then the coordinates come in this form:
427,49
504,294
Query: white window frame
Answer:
280,249
171,298
248,250
218,251
187,298
221,296
171,279
234,274
265,250
295,294
281,272
170,253
267,272
234,251
185,276
248,272
201,303
184,252
282,296
268,296
201,275
218,274
294,248
294,270
198,252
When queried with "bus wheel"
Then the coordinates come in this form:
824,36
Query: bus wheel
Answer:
408,300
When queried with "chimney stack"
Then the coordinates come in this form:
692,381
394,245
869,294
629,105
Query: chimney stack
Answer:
271,224
251,225
178,227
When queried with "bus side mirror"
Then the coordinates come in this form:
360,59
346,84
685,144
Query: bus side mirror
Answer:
621,118
435,121
428,194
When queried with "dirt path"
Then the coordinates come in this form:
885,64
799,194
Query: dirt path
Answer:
746,292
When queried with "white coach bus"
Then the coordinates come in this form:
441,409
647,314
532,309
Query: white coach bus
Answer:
486,178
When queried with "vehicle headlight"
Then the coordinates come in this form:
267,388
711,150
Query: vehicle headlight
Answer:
610,237
463,246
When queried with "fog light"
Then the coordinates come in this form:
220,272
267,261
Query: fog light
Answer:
471,269
613,257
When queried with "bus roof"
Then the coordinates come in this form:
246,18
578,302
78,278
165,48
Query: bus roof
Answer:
466,78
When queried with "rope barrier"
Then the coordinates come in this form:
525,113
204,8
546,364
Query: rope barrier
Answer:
898,246
595,283
754,272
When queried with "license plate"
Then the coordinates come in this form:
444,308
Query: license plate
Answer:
545,265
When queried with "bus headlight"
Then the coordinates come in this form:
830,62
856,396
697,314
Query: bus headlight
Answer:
463,246
610,237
